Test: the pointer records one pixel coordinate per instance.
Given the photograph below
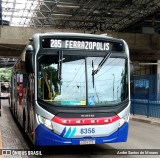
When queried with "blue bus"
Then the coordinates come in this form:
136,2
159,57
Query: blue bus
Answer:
72,89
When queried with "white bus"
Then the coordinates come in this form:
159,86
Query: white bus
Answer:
4,90
72,89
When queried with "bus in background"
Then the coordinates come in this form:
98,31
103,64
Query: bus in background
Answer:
72,89
4,90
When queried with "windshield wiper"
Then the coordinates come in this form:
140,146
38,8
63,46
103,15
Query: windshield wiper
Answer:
92,73
60,60
99,66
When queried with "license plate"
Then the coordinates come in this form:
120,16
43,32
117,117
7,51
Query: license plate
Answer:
83,142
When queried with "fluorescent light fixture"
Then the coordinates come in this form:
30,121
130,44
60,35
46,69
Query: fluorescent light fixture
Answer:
67,6
96,11
149,63
67,15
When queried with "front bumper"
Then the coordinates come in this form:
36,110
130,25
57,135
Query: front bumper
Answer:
46,137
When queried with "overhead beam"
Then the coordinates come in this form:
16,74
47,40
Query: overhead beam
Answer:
19,38
9,53
144,57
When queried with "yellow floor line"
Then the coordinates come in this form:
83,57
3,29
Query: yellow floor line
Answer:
1,145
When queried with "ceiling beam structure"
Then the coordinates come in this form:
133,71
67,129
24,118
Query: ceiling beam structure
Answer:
14,39
87,15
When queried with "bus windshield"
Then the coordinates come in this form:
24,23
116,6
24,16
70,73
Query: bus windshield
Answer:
77,80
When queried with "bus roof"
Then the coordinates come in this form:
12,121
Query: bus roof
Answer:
83,35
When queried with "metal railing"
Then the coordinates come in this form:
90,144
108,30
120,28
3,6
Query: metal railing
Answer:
145,95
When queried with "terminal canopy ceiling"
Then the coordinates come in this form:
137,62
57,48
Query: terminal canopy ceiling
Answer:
90,15
86,15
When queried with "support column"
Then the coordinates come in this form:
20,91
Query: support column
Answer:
158,67
158,80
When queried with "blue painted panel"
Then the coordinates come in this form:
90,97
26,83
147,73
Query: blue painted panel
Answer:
45,137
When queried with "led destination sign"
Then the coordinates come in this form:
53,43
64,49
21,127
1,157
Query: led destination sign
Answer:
82,44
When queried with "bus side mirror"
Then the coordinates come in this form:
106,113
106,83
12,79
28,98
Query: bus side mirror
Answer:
29,59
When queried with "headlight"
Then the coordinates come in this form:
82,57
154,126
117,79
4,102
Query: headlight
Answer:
123,120
45,122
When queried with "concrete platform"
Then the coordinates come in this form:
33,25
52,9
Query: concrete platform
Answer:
1,146
11,137
150,120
